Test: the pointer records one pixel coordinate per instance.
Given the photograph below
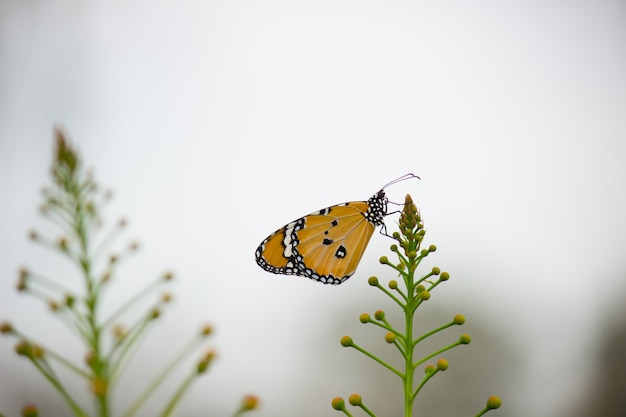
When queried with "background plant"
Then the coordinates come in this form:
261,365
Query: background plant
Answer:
409,293
73,202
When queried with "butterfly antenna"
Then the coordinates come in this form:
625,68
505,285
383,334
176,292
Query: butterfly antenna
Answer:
402,178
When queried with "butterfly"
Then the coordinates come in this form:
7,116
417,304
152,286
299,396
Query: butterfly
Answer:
326,245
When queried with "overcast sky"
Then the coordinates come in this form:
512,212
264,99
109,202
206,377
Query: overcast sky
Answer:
217,122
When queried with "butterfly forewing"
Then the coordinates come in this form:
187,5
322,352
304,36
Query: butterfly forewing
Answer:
334,242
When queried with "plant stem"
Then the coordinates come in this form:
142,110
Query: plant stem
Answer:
408,355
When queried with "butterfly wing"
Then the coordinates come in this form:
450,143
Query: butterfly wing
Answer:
326,245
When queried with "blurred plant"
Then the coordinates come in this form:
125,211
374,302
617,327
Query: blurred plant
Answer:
73,203
408,297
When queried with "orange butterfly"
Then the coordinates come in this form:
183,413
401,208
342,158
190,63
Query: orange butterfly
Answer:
326,245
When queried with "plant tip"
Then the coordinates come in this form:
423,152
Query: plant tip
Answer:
249,402
207,329
29,410
346,341
494,402
338,403
6,328
355,400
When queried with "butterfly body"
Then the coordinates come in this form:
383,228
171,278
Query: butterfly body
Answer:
326,245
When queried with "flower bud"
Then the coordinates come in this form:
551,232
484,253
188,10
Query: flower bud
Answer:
494,402
29,410
338,403
250,402
6,328
355,400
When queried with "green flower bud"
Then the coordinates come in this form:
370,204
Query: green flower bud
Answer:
355,400
444,276
6,328
206,360
29,410
99,387
390,337
70,300
465,339
206,330
432,248
338,403
62,243
442,364
459,319
365,318
494,402
249,402
436,271
373,281
346,341
379,315
393,284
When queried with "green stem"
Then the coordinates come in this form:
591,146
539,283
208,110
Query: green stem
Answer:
408,354
57,384
432,332
160,378
440,351
178,395
380,361
99,365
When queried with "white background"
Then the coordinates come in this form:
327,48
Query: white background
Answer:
216,122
